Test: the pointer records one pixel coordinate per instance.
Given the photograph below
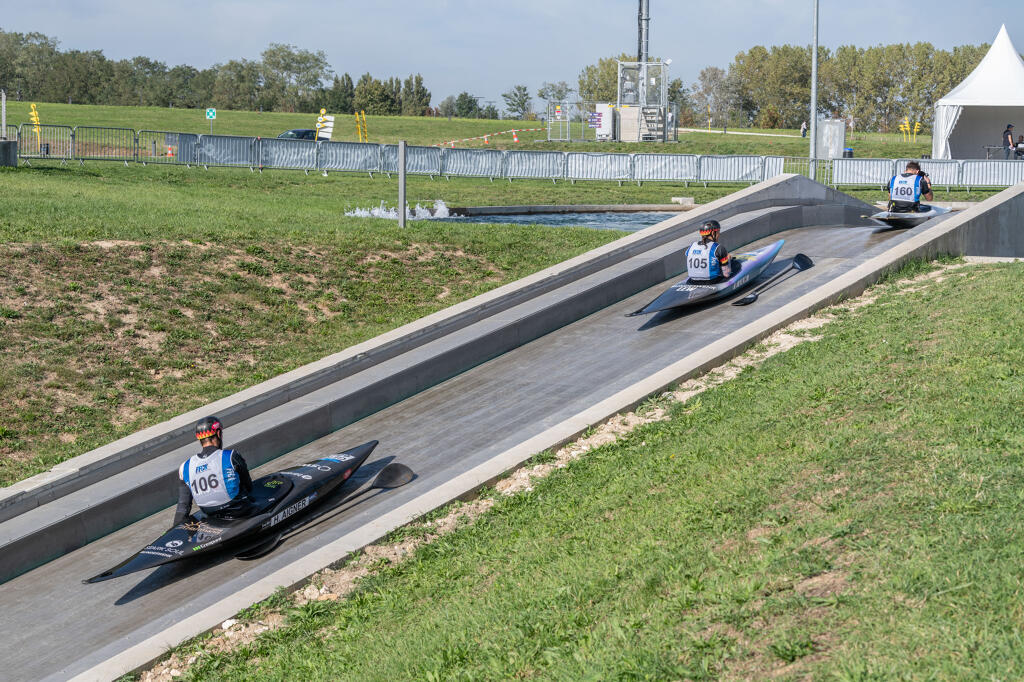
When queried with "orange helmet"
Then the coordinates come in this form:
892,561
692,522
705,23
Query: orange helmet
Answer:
710,229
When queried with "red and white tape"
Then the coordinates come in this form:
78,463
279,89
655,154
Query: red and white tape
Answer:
486,138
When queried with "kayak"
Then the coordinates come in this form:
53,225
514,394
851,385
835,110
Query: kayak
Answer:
905,219
688,292
277,500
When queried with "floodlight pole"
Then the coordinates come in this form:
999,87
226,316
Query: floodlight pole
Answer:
3,114
814,93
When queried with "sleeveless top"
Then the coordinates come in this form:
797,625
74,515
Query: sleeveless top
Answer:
905,188
702,261
212,479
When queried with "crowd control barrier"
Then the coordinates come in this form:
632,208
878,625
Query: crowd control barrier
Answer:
92,143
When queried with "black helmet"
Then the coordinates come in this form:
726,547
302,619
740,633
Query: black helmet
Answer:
711,227
208,427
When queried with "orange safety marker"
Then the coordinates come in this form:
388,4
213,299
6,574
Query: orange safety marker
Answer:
486,141
170,152
515,138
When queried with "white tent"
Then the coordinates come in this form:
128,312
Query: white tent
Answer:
975,113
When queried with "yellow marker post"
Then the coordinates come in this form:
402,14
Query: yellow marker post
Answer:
359,128
34,117
366,133
917,129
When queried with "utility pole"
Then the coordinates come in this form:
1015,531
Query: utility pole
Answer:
814,94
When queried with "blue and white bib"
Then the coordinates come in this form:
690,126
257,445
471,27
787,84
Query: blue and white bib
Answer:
212,479
905,188
702,261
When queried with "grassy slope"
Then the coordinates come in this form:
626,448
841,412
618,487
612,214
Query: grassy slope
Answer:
215,281
849,510
429,131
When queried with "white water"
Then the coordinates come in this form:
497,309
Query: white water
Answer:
439,210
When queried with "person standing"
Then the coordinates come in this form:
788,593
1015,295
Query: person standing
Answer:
803,129
1008,144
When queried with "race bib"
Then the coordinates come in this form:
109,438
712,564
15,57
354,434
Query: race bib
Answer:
212,480
906,188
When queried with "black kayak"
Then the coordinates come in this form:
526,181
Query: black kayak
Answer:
688,292
275,499
908,219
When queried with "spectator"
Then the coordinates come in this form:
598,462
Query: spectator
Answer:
803,129
1008,145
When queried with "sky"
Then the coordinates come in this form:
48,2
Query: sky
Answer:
485,48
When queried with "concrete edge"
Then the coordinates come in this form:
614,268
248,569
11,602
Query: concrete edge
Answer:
853,282
76,473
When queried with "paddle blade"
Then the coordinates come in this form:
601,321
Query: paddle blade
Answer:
746,300
802,261
393,475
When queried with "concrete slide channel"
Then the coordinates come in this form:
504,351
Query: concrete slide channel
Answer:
462,397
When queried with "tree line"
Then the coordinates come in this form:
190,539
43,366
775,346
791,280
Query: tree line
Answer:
875,87
285,78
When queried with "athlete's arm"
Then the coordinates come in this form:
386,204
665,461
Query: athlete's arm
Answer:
244,478
926,188
184,503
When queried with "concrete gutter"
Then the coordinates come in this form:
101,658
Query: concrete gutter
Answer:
986,230
113,486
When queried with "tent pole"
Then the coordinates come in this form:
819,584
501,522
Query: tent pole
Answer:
814,93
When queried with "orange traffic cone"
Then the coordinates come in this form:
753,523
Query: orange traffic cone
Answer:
453,144
170,152
515,138
486,141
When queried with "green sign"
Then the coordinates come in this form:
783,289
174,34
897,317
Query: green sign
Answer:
211,113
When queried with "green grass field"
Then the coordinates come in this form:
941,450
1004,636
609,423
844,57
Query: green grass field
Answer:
430,131
848,510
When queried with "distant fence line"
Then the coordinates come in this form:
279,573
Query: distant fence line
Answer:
89,143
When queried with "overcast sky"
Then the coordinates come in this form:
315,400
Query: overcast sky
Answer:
485,47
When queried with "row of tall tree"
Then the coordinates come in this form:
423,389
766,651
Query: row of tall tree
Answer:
285,78
877,87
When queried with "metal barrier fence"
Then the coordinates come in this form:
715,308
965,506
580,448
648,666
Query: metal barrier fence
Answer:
479,163
543,165
163,147
275,153
104,144
45,142
11,132
160,146
598,166
350,156
225,150
418,160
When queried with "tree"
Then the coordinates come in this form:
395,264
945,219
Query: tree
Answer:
341,95
517,101
489,112
466,106
448,107
415,97
600,82
374,97
293,76
237,85
554,92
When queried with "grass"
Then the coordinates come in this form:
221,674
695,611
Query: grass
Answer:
431,131
848,510
130,295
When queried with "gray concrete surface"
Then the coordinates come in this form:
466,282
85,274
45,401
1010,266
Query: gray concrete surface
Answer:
113,458
458,431
126,493
568,208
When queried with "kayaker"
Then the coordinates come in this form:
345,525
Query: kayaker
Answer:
217,480
906,189
707,260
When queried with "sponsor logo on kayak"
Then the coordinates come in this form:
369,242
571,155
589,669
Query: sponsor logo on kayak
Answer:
296,474
339,458
173,543
157,550
272,484
210,530
205,545
288,511
741,281
691,287
318,467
